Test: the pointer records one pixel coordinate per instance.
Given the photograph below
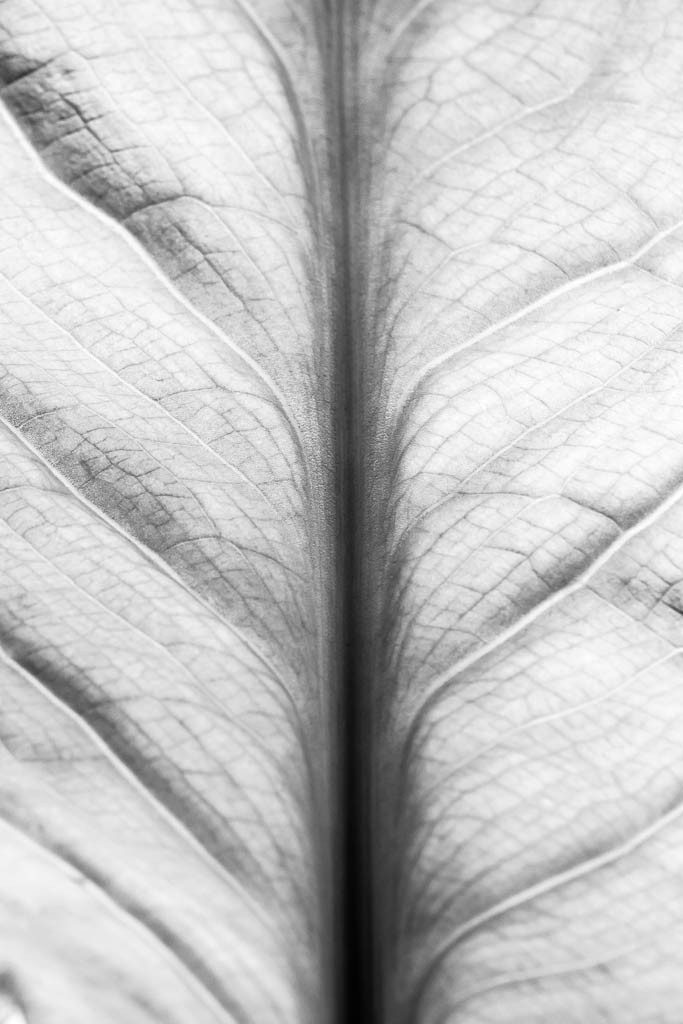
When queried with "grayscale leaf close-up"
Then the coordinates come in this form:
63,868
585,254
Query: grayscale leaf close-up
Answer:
341,506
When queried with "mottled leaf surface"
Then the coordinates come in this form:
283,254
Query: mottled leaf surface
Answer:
242,242
164,411
524,255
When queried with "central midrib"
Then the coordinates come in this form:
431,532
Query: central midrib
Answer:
355,956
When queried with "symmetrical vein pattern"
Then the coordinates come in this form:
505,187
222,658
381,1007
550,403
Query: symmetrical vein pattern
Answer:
165,625
525,252
260,260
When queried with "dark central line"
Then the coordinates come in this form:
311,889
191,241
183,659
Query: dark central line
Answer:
355,997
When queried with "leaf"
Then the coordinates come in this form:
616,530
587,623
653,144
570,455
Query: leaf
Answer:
525,292
340,429
166,622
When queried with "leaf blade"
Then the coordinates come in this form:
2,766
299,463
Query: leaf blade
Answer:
529,363
164,505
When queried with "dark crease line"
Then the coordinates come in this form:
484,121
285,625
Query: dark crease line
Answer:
130,777
152,558
213,706
135,918
356,993
184,953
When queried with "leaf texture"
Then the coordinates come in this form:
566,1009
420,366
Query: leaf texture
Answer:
164,433
524,301
282,278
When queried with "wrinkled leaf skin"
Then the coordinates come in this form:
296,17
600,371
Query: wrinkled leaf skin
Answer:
168,625
524,302
341,511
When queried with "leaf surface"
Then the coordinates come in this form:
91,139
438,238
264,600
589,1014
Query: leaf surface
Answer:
164,425
524,301
270,270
